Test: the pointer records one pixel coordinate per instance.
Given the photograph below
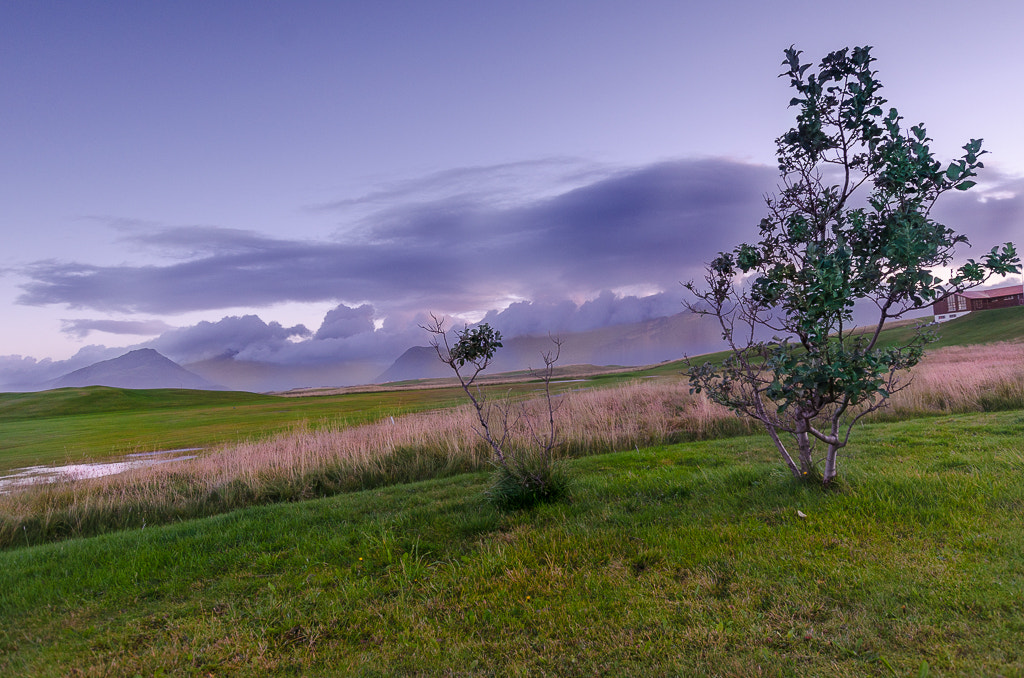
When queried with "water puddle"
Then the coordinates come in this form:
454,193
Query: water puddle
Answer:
38,475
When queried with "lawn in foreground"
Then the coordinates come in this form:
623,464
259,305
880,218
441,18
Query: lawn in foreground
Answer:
688,559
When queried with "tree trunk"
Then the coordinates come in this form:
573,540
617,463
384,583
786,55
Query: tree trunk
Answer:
781,447
830,464
762,416
803,441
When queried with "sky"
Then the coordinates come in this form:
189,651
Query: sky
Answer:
305,181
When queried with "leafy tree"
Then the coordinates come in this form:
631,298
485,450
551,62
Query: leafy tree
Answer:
822,250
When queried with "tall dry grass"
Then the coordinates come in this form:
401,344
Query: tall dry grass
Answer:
307,463
957,379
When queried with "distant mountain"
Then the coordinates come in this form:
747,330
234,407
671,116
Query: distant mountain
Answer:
144,368
418,362
642,343
262,377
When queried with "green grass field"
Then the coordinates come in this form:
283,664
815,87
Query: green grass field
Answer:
694,559
680,560
983,327
98,422
1003,324
93,423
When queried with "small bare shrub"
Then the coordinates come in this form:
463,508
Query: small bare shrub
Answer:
531,474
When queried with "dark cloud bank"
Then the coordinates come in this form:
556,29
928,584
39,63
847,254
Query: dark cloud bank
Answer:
451,252
649,226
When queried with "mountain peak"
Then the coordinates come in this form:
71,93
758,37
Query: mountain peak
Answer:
141,368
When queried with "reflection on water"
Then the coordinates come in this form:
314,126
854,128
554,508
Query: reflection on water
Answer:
35,475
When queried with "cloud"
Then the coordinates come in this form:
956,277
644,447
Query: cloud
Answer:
499,184
540,318
23,372
343,322
555,259
82,328
237,336
990,214
19,373
194,241
346,334
648,226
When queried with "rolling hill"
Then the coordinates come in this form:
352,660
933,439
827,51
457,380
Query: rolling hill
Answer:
643,343
143,368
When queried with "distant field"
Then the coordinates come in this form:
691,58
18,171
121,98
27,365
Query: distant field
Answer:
980,327
985,327
98,422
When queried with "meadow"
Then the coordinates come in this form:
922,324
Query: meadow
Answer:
685,559
351,546
307,462
97,422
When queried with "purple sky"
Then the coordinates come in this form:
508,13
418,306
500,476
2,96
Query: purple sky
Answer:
294,181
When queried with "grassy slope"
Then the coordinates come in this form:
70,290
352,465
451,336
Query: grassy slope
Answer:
91,423
983,327
1004,324
682,560
100,399
97,422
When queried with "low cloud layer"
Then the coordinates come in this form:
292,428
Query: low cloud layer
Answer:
344,322
82,328
233,336
541,318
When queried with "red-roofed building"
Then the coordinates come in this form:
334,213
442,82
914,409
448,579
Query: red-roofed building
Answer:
977,300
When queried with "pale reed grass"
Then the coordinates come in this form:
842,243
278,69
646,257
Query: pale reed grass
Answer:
311,462
307,462
959,379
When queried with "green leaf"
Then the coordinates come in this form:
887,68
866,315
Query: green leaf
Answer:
966,185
